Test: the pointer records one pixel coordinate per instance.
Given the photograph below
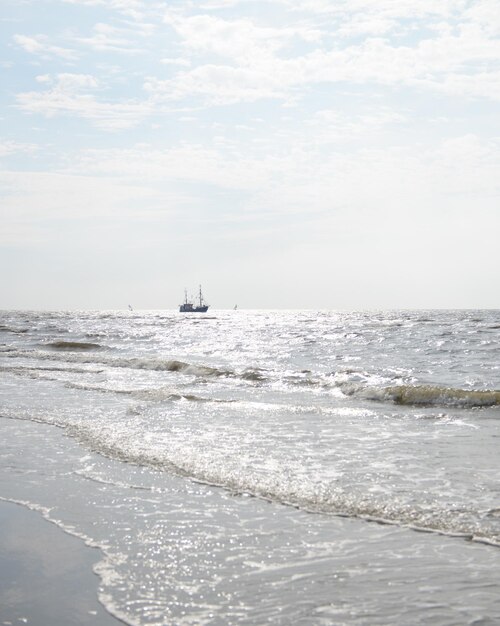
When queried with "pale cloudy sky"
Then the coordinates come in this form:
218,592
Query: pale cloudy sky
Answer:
284,153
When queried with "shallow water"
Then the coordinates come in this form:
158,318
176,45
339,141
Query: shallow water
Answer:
169,424
53,587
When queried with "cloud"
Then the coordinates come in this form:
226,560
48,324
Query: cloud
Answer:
239,39
65,97
185,163
222,4
37,202
107,38
332,126
121,5
71,82
481,85
302,173
176,61
485,13
237,60
231,61
389,9
220,85
386,153
39,45
443,65
8,148
366,25
132,8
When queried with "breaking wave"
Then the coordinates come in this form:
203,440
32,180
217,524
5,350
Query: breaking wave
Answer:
160,394
16,331
282,486
71,355
425,395
72,345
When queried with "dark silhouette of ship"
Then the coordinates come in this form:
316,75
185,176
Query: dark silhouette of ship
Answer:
189,307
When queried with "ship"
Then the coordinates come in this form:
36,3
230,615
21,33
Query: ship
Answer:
190,307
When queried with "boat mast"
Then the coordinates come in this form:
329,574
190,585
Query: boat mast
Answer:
201,298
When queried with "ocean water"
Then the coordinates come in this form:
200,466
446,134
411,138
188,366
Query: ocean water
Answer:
264,467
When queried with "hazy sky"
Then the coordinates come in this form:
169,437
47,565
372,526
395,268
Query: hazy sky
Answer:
283,153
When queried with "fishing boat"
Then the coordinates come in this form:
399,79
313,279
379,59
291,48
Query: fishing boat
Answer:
190,307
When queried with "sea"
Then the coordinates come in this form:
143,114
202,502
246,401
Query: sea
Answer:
255,467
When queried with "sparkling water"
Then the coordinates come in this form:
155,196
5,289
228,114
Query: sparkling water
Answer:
252,467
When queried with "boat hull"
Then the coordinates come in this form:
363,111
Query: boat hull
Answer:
189,308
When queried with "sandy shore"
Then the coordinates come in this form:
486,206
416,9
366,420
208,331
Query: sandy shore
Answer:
46,576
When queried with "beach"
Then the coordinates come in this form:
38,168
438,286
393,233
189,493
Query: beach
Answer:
322,571
46,576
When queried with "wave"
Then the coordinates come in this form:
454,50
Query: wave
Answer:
41,372
160,394
72,345
280,484
348,382
16,331
285,488
71,355
428,395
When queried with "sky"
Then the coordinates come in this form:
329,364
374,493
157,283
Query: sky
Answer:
295,154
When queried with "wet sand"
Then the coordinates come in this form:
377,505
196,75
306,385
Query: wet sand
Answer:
46,576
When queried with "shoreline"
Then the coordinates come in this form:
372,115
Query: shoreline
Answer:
46,575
